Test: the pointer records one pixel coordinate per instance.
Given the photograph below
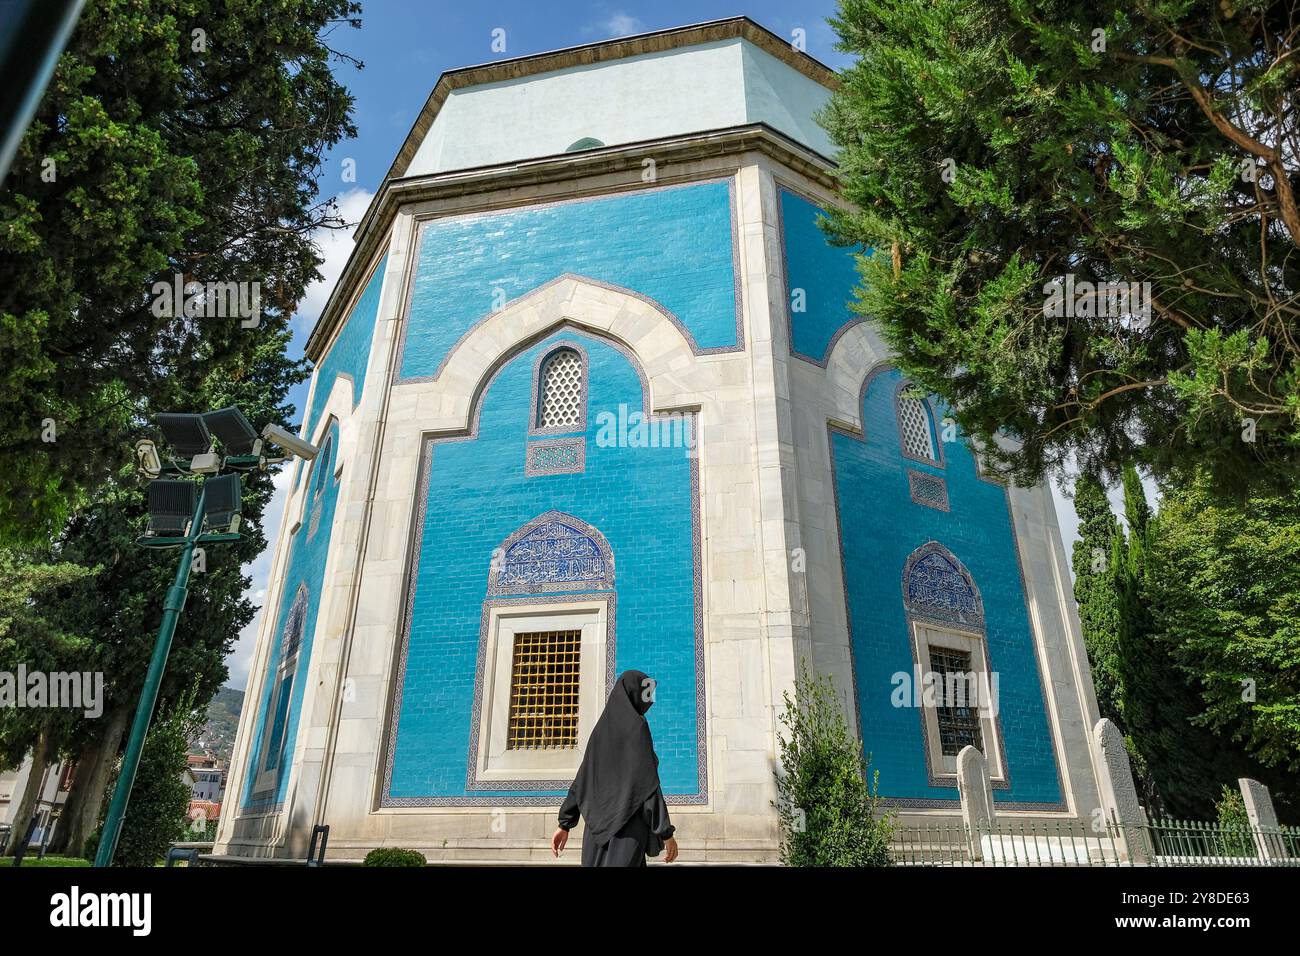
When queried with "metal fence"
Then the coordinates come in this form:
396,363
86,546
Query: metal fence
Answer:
1070,843
1197,843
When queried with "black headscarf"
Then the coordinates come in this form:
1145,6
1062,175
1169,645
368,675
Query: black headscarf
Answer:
620,770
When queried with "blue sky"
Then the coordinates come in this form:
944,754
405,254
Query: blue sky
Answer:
404,46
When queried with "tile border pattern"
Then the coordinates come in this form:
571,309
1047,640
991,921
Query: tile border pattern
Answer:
556,456
928,490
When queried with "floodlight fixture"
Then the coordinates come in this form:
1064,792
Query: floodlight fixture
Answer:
171,507
221,506
186,433
237,436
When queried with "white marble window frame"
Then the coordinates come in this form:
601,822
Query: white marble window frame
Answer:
943,768
494,762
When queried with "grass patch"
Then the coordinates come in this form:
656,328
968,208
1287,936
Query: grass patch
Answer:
30,860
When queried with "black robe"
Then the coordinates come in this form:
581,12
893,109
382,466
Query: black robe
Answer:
617,789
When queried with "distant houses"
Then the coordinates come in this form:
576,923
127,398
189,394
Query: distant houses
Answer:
205,775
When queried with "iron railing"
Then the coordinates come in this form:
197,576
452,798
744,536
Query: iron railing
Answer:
1074,843
1198,843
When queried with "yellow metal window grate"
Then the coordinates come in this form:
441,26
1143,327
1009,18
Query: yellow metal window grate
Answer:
544,691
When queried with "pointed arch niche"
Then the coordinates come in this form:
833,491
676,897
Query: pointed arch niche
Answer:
948,636
500,549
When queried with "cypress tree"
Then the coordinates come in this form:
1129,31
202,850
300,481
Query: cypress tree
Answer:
1097,592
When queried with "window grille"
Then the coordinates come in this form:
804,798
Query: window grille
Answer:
560,404
959,719
914,423
544,691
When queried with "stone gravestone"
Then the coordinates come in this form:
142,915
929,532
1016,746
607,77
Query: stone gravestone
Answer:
976,794
1263,819
1118,791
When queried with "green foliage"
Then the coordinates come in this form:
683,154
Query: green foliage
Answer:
30,638
1159,664
115,610
1097,560
1225,583
153,153
31,860
1183,761
829,815
156,814
1234,838
989,147
391,856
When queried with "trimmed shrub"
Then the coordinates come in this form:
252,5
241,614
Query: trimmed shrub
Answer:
392,856
1234,835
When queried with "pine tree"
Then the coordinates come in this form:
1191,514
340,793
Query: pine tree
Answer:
30,639
173,139
117,608
988,148
1186,763
1224,585
157,816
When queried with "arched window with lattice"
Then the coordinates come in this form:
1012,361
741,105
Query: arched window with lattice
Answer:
561,392
916,426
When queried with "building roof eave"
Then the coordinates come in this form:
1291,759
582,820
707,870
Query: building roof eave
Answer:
604,51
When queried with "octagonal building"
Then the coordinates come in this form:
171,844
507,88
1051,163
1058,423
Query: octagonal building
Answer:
590,396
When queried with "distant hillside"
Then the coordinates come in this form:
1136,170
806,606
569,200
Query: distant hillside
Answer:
218,735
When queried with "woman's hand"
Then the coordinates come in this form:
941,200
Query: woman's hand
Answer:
670,849
561,837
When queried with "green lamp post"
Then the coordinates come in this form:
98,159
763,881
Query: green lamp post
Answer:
185,514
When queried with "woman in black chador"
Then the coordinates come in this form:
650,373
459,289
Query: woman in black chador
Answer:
617,788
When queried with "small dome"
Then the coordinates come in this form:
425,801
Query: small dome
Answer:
587,142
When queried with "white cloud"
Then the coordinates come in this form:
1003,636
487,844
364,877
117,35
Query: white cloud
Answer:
335,246
618,24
